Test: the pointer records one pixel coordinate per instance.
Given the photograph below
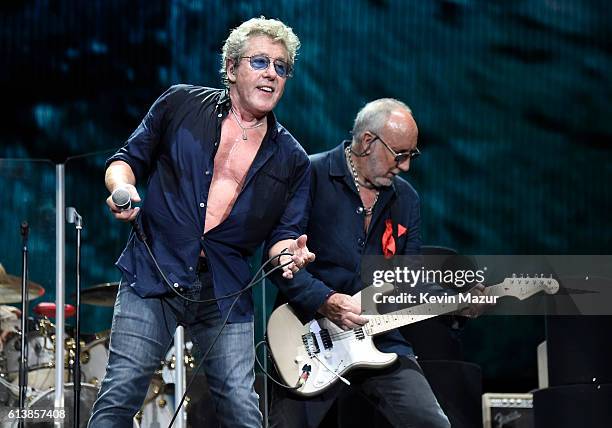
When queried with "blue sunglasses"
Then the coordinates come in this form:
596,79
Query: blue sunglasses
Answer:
262,62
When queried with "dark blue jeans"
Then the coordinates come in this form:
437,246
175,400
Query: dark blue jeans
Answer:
142,332
400,392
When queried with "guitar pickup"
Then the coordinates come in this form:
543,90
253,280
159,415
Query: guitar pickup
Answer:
359,333
327,342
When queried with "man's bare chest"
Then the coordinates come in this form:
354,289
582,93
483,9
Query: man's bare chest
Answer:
235,155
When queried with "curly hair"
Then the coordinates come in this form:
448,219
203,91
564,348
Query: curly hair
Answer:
234,46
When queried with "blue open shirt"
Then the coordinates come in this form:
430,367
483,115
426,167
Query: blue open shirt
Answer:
173,151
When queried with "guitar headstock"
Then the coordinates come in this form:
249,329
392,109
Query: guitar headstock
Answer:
526,286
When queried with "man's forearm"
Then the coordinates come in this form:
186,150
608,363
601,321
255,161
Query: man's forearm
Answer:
277,248
117,174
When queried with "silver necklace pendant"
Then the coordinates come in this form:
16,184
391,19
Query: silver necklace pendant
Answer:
244,128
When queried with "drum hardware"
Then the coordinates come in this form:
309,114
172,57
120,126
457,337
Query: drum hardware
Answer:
85,357
158,406
40,341
13,392
14,290
47,310
169,364
71,350
94,357
23,357
189,362
138,417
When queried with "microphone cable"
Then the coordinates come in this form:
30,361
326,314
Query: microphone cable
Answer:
249,286
141,235
306,369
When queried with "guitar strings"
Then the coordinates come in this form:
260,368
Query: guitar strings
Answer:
344,334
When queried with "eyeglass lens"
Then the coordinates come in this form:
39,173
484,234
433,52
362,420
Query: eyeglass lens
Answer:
261,62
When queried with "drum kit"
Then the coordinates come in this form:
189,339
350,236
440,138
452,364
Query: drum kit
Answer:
158,407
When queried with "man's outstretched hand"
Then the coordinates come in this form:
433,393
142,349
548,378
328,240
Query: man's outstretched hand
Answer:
300,258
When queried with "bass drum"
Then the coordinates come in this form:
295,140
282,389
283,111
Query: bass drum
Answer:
41,379
46,401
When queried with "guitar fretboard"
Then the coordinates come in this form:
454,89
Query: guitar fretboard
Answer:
382,323
518,287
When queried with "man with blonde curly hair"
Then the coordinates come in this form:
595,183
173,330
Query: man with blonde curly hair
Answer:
223,177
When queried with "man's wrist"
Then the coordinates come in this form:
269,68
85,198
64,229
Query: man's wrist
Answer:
331,293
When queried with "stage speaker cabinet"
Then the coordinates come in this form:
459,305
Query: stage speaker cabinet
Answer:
500,410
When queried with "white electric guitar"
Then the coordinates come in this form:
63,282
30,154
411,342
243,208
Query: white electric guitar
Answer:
312,357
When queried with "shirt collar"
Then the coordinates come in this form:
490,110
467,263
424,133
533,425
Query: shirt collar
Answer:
224,99
337,160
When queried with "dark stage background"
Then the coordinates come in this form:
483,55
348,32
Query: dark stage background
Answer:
511,97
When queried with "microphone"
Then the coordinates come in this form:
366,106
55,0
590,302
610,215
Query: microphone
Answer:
73,217
122,199
25,229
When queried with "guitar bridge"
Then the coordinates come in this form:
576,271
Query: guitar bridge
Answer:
311,344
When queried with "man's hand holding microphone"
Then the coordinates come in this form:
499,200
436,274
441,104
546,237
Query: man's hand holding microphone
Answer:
120,202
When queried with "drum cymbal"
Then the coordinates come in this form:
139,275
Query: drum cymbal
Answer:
10,288
101,294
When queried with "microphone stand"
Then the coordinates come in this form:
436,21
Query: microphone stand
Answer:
72,216
23,362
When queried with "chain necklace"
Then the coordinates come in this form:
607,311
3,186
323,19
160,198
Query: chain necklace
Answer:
244,128
349,158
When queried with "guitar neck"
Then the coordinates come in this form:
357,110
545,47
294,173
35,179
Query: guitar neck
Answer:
379,324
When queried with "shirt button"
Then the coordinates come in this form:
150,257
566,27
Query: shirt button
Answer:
219,115
202,238
359,210
175,285
207,172
361,242
202,204
190,268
